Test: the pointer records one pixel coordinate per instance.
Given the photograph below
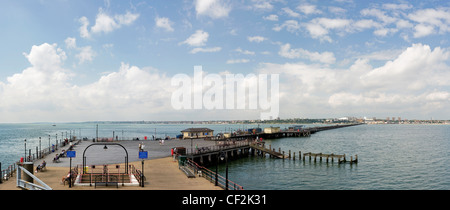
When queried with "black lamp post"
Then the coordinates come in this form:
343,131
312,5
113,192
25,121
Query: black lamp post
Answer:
25,154
222,156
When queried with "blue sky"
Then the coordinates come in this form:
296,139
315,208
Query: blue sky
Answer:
83,60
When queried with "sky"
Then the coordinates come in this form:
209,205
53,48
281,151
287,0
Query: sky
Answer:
94,60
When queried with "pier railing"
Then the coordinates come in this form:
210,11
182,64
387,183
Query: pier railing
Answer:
6,174
221,146
29,185
212,176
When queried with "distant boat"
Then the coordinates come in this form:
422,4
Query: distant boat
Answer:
53,125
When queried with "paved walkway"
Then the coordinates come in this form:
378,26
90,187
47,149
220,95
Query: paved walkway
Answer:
161,171
96,155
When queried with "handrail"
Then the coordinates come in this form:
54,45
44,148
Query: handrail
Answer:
210,176
216,148
28,185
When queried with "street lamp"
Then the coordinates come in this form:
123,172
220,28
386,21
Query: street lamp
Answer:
25,154
222,156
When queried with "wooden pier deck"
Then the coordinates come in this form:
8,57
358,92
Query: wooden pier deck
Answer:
306,132
238,146
210,155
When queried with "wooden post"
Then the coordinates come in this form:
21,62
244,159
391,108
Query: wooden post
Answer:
289,154
299,155
283,155
293,158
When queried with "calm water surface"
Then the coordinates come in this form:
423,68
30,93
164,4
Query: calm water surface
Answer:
390,156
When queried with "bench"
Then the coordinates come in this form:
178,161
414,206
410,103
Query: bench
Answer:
106,182
56,159
187,171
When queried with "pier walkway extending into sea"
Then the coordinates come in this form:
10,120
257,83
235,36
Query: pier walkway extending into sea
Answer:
305,132
238,146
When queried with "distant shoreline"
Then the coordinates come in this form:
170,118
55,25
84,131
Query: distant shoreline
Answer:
256,122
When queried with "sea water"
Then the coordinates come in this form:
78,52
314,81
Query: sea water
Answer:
391,157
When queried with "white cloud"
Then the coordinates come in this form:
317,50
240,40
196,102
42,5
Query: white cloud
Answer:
329,23
290,12
105,23
43,92
130,91
238,61
308,9
397,6
430,19
381,15
126,19
244,52
319,28
271,17
71,43
414,69
199,38
212,8
207,50
262,5
38,87
46,57
318,32
290,25
415,81
86,54
256,39
165,23
84,31
325,57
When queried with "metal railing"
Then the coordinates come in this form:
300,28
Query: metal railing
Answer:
211,176
221,146
28,185
6,174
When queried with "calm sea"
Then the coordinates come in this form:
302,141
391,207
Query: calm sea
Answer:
391,157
